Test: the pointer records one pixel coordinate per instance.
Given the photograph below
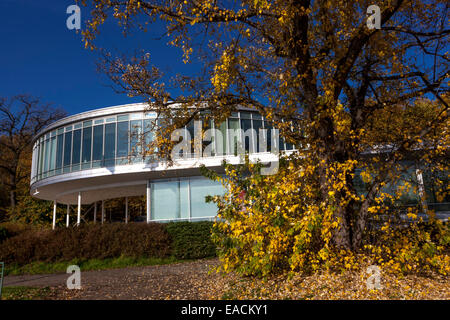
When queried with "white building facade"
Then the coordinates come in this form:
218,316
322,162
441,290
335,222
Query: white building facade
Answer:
97,155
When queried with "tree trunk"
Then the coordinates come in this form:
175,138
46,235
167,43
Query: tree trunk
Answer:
12,193
342,236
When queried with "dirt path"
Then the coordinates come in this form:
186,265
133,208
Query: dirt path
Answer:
190,280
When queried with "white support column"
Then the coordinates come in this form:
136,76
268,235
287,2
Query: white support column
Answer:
67,216
421,190
148,202
95,212
103,211
79,209
54,215
126,209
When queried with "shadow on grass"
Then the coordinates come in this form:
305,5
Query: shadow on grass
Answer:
87,265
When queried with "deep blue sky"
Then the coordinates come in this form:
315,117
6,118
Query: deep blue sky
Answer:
41,57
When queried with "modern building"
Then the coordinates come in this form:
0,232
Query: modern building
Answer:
98,155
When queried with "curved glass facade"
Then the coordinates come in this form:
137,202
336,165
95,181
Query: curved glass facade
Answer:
117,140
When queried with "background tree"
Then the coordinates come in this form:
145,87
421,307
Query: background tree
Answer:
316,71
21,118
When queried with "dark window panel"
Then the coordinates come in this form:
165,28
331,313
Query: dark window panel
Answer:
67,150
247,140
59,152
136,139
76,150
110,144
122,139
257,124
97,150
87,146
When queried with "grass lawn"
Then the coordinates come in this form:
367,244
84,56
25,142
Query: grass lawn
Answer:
86,265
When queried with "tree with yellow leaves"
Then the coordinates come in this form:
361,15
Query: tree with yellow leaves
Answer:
355,100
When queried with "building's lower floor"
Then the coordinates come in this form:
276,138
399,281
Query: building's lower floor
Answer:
169,199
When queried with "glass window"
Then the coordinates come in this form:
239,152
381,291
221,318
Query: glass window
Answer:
97,152
110,144
41,158
122,139
149,127
281,143
162,123
257,124
289,146
184,199
136,139
247,139
234,136
221,141
33,163
200,188
76,150
87,145
52,158
150,115
38,159
98,121
256,116
87,124
67,150
246,115
46,156
135,116
395,188
271,140
208,139
190,128
123,117
436,184
358,183
59,153
165,200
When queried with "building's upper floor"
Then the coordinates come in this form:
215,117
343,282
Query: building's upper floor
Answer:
118,136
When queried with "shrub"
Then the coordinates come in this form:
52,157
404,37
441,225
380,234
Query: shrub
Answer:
14,228
4,233
87,242
184,240
191,240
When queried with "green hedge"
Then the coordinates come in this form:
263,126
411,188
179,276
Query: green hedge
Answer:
184,240
87,242
191,240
